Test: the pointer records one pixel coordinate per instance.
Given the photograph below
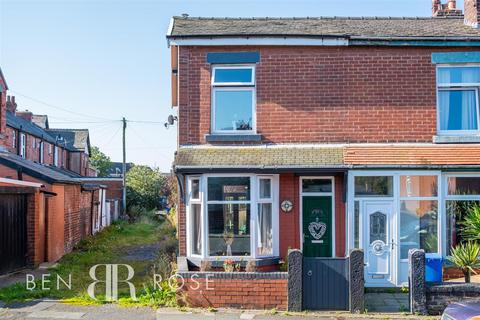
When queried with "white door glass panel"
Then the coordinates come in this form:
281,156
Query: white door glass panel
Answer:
418,226
458,109
378,237
418,186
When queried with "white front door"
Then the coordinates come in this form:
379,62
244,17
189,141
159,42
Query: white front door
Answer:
378,238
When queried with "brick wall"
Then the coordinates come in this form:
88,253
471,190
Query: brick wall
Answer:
323,94
3,110
72,216
441,295
235,290
114,187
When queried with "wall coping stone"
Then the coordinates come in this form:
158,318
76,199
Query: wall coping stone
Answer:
234,275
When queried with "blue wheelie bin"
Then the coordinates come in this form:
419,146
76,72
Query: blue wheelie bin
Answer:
433,267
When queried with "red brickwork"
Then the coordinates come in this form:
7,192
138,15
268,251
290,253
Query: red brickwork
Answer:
323,94
236,293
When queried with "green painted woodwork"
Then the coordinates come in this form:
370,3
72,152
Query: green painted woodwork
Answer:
317,216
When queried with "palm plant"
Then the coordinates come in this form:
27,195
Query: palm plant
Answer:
465,257
471,224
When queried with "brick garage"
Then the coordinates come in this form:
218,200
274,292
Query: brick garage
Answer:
248,290
60,213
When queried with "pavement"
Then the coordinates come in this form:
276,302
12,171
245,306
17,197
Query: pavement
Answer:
51,309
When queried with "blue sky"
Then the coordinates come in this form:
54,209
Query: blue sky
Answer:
103,60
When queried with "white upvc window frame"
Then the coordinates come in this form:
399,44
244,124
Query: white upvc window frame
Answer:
254,200
14,139
395,199
457,87
446,197
234,86
191,201
23,145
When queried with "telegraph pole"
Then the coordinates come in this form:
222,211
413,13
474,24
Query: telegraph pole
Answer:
124,169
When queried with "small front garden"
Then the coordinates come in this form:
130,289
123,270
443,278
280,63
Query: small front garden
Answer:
148,245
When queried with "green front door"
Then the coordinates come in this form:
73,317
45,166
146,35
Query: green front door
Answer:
317,226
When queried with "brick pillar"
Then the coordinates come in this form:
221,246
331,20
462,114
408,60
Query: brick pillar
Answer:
416,281
295,274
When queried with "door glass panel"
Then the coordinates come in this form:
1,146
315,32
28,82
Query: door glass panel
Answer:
418,186
378,227
418,226
374,186
316,185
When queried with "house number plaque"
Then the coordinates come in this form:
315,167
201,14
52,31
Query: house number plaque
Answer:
286,205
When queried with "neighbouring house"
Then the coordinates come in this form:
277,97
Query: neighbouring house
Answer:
77,141
48,200
115,170
326,134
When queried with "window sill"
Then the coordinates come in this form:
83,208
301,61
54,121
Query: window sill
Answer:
233,137
456,139
218,263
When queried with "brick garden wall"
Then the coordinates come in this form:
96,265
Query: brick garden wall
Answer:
323,94
235,289
440,296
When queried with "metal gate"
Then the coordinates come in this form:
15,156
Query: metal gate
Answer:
13,232
325,283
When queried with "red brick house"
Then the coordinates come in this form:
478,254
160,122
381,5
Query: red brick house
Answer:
326,134
48,200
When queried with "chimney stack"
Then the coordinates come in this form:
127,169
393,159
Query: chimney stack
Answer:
446,10
26,115
472,12
11,104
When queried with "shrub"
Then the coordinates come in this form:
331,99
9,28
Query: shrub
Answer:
465,257
471,224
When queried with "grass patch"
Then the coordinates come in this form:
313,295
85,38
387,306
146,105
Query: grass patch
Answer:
109,247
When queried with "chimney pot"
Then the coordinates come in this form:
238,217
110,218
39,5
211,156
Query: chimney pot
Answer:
472,12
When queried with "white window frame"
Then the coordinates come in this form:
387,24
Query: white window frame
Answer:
55,156
41,147
261,200
318,194
457,87
395,199
190,202
254,200
23,145
446,197
234,86
14,139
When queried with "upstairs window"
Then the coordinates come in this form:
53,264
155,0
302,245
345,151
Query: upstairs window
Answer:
41,152
233,99
458,107
23,142
55,157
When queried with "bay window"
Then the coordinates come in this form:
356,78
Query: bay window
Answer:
233,99
232,216
458,105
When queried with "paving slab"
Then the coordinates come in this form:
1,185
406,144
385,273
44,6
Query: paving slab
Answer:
31,306
56,315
